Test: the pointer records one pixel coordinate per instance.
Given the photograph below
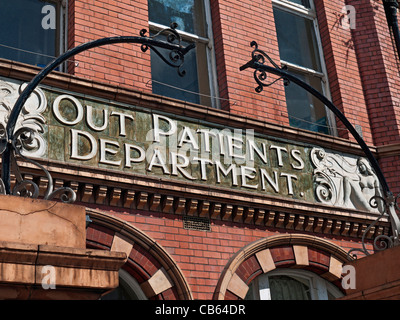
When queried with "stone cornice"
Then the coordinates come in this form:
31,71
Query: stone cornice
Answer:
132,193
388,150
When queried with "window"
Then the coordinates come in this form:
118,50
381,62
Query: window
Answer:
29,35
193,19
290,284
128,289
300,52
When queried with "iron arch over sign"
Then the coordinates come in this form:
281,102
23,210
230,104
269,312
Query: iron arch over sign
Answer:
389,202
12,142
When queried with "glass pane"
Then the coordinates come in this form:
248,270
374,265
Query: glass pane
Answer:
167,81
188,14
250,292
21,25
305,3
297,40
117,294
122,292
306,111
289,288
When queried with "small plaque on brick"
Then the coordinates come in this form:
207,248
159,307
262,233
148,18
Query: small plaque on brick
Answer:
196,223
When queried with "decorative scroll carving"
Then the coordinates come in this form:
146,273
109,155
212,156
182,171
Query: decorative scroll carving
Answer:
180,205
226,213
30,116
101,194
238,214
115,196
128,198
344,181
28,141
155,202
141,201
249,215
191,207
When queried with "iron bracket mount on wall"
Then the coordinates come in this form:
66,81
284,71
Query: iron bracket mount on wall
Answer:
387,201
12,141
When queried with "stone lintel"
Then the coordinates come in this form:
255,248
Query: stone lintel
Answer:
50,272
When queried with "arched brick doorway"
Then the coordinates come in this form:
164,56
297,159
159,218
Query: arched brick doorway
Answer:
299,251
147,262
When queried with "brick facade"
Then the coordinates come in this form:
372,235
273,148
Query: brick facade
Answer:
143,216
122,64
202,256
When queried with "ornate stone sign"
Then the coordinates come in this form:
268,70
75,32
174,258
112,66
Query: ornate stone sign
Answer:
92,132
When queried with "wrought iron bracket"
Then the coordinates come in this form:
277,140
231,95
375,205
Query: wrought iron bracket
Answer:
260,75
389,202
13,143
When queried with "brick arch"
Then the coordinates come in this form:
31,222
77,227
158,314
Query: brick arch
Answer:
154,269
282,251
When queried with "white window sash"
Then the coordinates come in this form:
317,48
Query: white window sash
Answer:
185,35
211,60
310,14
318,286
296,8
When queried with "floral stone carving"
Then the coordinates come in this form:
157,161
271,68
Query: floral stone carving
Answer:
30,116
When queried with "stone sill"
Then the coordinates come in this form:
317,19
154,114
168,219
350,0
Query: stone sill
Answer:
78,273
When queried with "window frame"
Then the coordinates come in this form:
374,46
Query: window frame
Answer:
210,52
319,287
310,14
60,44
62,19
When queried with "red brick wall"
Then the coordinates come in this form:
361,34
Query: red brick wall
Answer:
363,77
362,72
235,25
360,63
342,66
202,255
120,64
378,69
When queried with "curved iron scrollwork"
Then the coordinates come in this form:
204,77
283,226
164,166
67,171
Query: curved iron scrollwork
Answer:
380,242
390,202
26,188
14,143
260,75
176,57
